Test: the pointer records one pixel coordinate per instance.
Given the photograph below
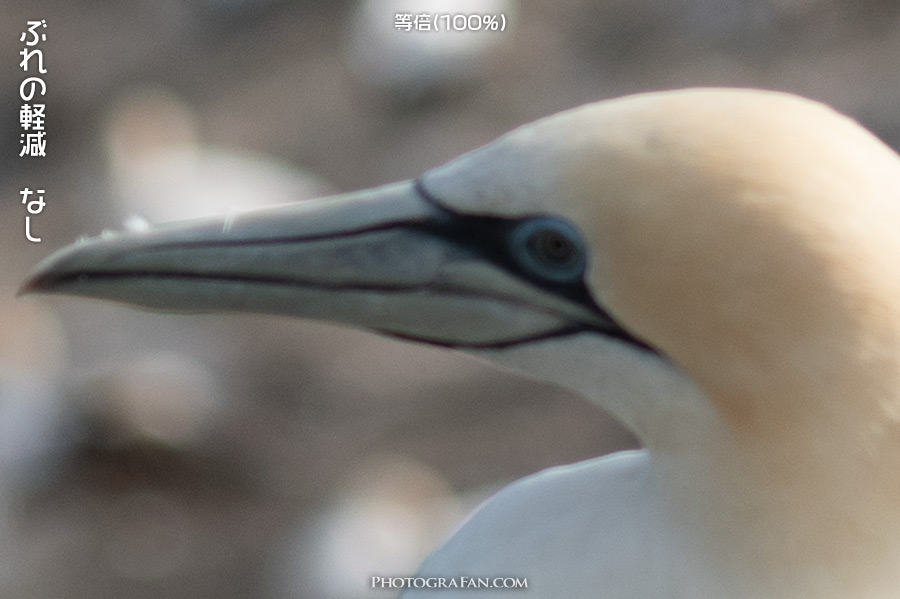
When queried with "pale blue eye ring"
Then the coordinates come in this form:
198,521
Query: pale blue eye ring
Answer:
549,248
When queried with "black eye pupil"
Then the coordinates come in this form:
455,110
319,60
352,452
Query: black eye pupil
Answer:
552,247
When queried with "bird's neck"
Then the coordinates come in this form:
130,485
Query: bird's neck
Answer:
799,492
792,501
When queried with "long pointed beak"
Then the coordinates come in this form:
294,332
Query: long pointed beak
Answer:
388,259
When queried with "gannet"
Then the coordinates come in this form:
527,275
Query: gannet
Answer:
716,268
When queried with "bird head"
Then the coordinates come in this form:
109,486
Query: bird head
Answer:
737,239
749,237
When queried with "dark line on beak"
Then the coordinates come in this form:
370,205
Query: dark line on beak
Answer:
562,332
426,195
58,281
617,334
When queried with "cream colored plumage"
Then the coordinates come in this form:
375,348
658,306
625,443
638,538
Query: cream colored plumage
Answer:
717,268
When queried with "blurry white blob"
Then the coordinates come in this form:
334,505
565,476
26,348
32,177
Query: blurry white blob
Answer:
417,61
169,398
159,170
136,223
32,358
32,413
391,513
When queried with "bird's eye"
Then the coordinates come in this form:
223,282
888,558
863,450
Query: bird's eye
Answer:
549,248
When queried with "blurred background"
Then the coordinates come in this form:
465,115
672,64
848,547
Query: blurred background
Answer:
152,455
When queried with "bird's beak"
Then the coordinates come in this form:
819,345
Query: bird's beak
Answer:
389,259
